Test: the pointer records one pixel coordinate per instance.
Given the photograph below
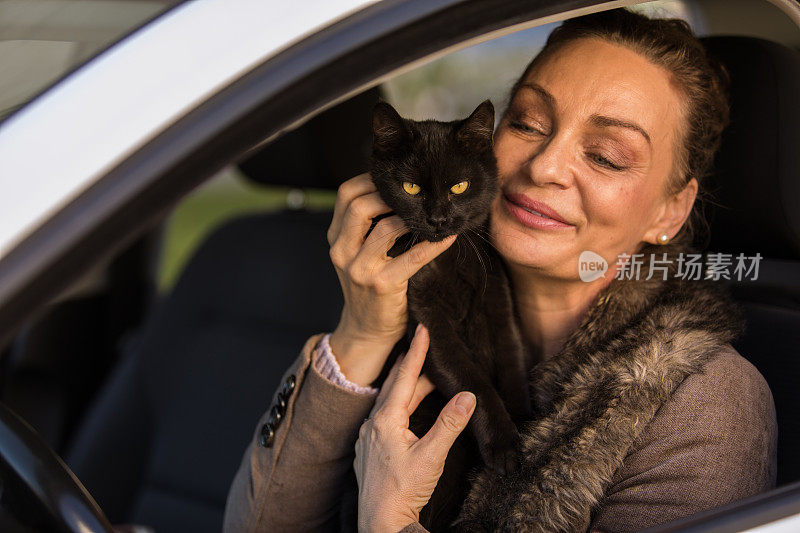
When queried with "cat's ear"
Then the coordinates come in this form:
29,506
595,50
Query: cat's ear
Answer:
477,129
388,129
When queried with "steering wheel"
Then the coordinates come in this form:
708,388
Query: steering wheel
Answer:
35,479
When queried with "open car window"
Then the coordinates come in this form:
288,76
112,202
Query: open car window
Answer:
445,89
42,40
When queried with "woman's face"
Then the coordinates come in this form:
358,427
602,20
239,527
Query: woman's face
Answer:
589,139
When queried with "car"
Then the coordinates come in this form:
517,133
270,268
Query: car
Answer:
149,384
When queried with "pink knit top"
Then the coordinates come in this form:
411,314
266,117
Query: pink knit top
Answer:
328,367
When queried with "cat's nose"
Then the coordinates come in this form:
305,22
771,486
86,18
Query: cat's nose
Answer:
437,221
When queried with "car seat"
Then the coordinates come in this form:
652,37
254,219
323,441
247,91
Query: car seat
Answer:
166,434
756,185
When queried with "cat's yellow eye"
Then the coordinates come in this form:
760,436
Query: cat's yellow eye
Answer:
411,188
458,188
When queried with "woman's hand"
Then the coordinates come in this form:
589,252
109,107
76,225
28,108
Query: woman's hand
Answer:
397,471
374,285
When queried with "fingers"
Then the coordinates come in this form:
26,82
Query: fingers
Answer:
405,381
409,263
385,233
424,387
348,191
387,385
357,220
433,447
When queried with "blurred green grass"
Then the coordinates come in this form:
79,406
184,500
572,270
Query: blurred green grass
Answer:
226,196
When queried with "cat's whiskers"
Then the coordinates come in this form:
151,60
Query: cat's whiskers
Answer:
478,253
458,251
484,233
477,233
466,239
392,236
486,239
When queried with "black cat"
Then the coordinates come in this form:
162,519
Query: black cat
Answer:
441,179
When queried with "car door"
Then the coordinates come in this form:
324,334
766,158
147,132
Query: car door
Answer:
108,150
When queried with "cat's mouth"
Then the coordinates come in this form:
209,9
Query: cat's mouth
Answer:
438,232
436,237
433,236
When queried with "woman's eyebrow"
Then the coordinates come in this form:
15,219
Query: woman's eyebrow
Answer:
599,120
538,89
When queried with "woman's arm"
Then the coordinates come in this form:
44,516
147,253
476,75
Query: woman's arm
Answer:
295,484
712,443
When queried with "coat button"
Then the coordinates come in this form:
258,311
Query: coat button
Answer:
275,416
267,435
281,402
285,391
290,383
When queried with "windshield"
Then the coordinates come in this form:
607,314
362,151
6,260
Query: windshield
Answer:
41,40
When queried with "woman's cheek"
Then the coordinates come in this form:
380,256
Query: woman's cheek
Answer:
506,237
614,217
517,246
511,152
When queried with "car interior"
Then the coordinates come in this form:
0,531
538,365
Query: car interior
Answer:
152,396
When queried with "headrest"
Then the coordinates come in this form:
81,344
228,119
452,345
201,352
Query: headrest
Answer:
322,153
755,185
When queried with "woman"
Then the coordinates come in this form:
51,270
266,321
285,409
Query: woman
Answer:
643,411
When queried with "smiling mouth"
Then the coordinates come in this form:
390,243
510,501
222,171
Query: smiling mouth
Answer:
530,217
534,212
534,207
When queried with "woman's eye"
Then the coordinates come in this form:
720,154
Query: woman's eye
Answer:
602,161
458,188
411,188
525,128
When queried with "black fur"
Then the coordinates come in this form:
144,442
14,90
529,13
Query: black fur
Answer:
463,296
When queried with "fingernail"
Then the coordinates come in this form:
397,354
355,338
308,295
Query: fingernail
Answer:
465,402
419,327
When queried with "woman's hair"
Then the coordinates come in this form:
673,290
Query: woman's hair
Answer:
671,44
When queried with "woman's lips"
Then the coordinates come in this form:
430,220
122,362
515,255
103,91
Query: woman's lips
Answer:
533,214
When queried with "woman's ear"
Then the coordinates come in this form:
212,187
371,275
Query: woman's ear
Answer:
673,213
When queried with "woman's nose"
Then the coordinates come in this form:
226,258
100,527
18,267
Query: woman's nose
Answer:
551,162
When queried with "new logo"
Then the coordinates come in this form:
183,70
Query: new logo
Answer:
591,266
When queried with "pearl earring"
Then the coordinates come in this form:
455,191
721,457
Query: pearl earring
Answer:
663,238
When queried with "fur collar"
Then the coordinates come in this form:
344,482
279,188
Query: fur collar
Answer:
591,401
